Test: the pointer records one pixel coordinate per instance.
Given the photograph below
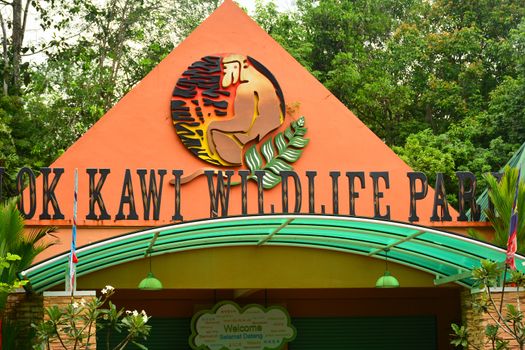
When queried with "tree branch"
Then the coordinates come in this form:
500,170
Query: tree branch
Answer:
24,20
5,56
500,316
49,46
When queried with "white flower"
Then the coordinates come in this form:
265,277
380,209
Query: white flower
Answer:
107,289
82,302
75,305
128,312
145,318
135,313
143,313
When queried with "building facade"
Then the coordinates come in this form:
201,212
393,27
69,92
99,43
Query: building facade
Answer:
243,184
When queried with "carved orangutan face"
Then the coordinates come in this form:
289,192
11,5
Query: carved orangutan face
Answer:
233,68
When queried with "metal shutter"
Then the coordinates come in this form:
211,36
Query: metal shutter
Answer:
365,333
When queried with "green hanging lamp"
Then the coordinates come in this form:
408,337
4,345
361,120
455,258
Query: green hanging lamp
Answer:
150,282
387,280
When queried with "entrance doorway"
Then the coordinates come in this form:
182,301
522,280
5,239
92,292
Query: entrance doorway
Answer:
360,318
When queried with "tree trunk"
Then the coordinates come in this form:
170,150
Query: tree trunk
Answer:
17,38
5,57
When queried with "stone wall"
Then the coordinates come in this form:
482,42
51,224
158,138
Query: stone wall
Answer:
22,309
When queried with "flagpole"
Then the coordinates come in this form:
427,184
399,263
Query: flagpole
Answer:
72,256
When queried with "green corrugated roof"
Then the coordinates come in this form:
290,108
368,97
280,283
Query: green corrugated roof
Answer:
517,161
441,253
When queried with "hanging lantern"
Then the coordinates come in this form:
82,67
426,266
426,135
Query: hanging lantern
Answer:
387,280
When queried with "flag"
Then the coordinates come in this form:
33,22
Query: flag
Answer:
512,243
73,260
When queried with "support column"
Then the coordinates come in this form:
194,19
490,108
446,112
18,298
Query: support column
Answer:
472,319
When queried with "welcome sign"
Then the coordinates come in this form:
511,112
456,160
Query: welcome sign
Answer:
227,326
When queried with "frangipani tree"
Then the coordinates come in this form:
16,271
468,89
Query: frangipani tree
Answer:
507,322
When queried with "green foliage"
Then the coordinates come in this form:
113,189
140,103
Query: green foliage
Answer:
501,195
287,29
460,335
97,52
9,110
517,278
16,248
5,264
488,274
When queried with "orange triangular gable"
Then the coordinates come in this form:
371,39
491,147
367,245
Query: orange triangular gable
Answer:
137,133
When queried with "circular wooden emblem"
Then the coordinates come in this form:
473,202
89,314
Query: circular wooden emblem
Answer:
222,103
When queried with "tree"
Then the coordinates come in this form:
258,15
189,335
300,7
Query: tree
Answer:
405,66
74,327
103,50
12,43
13,240
287,28
501,194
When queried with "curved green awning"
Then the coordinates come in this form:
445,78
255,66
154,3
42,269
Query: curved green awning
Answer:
449,256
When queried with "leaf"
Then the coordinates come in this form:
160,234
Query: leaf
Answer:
277,165
140,346
300,131
253,159
280,142
267,150
12,257
299,142
288,133
455,328
291,154
491,330
270,180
